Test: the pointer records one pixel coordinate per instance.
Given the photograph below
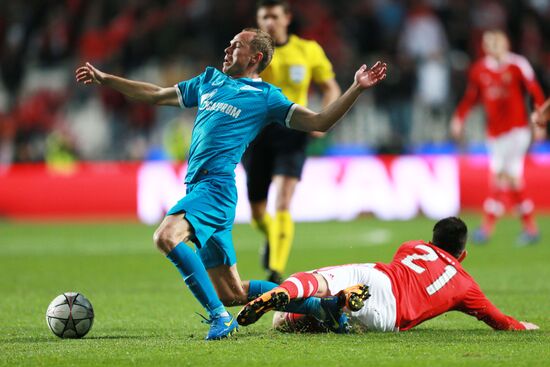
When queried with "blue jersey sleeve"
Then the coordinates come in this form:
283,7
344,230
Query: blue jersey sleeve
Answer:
188,91
279,108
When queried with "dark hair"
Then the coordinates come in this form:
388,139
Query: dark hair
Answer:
269,3
450,234
262,42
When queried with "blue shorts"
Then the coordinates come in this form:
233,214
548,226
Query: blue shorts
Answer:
209,206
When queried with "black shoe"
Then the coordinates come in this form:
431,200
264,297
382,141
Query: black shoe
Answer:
275,277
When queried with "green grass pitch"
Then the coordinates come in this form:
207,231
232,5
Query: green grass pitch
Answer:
145,316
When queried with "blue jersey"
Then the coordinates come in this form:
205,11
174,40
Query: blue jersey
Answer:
231,112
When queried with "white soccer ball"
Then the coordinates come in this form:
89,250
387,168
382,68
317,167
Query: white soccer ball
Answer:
70,315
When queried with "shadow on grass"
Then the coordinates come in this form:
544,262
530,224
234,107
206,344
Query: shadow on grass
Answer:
421,334
53,339
121,337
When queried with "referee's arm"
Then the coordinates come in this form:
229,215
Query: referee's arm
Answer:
330,91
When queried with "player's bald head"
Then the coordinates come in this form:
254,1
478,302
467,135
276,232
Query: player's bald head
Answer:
450,234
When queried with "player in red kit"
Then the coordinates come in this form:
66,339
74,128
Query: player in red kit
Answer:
424,280
499,81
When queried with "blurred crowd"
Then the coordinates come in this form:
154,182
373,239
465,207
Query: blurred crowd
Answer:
428,44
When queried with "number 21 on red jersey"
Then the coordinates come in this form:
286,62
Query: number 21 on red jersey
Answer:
429,255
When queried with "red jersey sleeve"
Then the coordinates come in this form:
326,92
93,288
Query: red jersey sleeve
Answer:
471,95
530,81
476,304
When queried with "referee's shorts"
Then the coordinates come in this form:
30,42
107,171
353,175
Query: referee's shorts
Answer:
275,151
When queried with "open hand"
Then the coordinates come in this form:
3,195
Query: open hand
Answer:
367,78
88,74
529,325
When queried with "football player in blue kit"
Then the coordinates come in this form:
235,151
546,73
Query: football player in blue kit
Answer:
233,107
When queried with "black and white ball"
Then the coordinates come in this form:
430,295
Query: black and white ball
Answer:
70,315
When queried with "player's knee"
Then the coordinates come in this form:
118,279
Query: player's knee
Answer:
164,240
169,234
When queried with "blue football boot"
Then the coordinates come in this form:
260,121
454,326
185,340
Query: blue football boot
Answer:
332,317
221,327
352,298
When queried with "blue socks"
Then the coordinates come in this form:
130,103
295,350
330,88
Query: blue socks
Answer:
306,306
258,287
196,277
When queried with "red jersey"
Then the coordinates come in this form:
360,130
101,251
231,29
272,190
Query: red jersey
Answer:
427,281
501,89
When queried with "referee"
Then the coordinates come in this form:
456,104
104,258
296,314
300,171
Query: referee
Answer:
278,154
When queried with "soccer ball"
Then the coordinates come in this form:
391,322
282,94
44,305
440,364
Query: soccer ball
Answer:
70,315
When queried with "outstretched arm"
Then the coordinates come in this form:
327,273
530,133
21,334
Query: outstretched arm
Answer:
138,91
330,91
477,305
306,120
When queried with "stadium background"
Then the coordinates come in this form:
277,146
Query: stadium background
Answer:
45,117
